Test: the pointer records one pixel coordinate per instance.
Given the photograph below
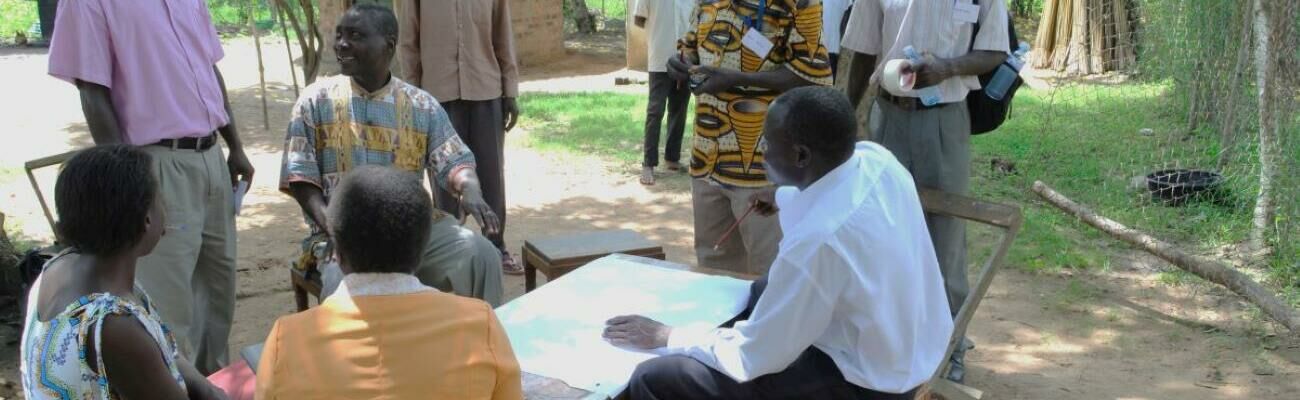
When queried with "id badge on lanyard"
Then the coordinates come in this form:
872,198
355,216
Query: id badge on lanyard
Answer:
754,39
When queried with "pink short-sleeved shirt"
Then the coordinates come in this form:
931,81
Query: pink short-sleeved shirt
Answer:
155,56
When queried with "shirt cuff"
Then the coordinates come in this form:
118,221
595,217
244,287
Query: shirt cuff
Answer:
683,338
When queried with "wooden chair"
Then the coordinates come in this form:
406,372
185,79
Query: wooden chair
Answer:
304,282
1007,219
557,255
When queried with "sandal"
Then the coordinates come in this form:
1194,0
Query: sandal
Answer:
508,264
673,166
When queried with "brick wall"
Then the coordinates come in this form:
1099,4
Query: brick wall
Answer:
539,29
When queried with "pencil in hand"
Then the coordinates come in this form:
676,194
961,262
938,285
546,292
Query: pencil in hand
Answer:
726,235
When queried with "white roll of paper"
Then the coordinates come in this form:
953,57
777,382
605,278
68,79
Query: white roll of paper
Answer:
894,80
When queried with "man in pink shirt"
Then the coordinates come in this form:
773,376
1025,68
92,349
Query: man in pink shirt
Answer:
146,70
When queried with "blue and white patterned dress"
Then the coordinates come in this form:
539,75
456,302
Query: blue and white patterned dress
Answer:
54,364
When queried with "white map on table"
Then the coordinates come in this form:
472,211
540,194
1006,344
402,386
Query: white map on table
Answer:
555,330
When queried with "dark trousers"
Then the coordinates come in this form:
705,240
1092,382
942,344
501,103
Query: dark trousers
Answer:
481,125
664,90
835,67
811,376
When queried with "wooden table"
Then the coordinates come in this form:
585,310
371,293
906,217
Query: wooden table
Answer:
555,256
537,387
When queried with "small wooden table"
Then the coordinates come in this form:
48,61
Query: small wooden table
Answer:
557,255
537,387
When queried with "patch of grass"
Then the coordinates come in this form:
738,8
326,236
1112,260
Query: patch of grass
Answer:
16,16
1075,297
607,125
1176,277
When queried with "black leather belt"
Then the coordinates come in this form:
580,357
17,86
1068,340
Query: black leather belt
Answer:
190,143
907,103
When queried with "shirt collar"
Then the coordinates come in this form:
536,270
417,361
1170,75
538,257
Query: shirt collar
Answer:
827,199
379,284
378,93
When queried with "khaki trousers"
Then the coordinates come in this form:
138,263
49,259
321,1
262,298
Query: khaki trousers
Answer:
934,145
190,275
751,248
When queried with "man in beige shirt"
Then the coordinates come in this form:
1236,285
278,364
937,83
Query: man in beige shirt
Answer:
463,52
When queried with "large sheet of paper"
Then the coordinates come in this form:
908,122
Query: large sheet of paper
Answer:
555,331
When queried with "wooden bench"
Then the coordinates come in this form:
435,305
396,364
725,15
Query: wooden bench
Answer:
557,255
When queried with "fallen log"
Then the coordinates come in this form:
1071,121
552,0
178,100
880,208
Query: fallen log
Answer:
1203,267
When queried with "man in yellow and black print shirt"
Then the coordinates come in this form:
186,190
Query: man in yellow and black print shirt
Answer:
737,62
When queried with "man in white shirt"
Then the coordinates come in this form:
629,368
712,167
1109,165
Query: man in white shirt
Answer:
853,306
665,21
833,13
932,142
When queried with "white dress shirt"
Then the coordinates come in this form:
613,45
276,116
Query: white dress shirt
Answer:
883,28
856,277
666,22
832,16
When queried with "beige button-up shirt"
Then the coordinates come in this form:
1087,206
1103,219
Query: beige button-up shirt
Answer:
885,27
458,49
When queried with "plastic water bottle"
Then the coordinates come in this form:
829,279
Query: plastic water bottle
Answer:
929,95
1007,71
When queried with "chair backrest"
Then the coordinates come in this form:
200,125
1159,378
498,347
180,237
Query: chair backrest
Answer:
1006,219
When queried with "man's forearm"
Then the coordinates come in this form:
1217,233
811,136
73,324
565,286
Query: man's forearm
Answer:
312,200
463,180
228,132
977,62
780,79
861,67
101,115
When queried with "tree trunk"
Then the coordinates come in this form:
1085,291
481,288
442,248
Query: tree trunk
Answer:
309,38
582,17
330,12
1265,78
1203,267
1228,127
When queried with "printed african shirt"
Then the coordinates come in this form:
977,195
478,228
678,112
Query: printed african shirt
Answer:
728,146
337,126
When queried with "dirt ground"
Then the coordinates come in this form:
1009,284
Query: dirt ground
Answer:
1111,334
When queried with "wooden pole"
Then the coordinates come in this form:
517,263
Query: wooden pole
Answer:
1206,268
288,50
261,68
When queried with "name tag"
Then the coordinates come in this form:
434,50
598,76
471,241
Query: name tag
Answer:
965,13
757,43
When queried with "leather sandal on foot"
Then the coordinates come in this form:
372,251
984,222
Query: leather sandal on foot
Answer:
509,266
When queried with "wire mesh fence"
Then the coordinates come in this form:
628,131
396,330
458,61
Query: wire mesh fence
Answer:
1178,117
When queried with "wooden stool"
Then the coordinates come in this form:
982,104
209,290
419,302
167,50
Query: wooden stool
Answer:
304,282
557,255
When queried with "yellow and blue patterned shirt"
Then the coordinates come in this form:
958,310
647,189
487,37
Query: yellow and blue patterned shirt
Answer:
337,126
728,146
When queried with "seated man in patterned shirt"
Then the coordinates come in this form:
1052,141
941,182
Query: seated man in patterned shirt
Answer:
369,117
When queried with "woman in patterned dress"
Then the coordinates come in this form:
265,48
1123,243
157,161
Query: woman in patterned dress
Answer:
90,332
